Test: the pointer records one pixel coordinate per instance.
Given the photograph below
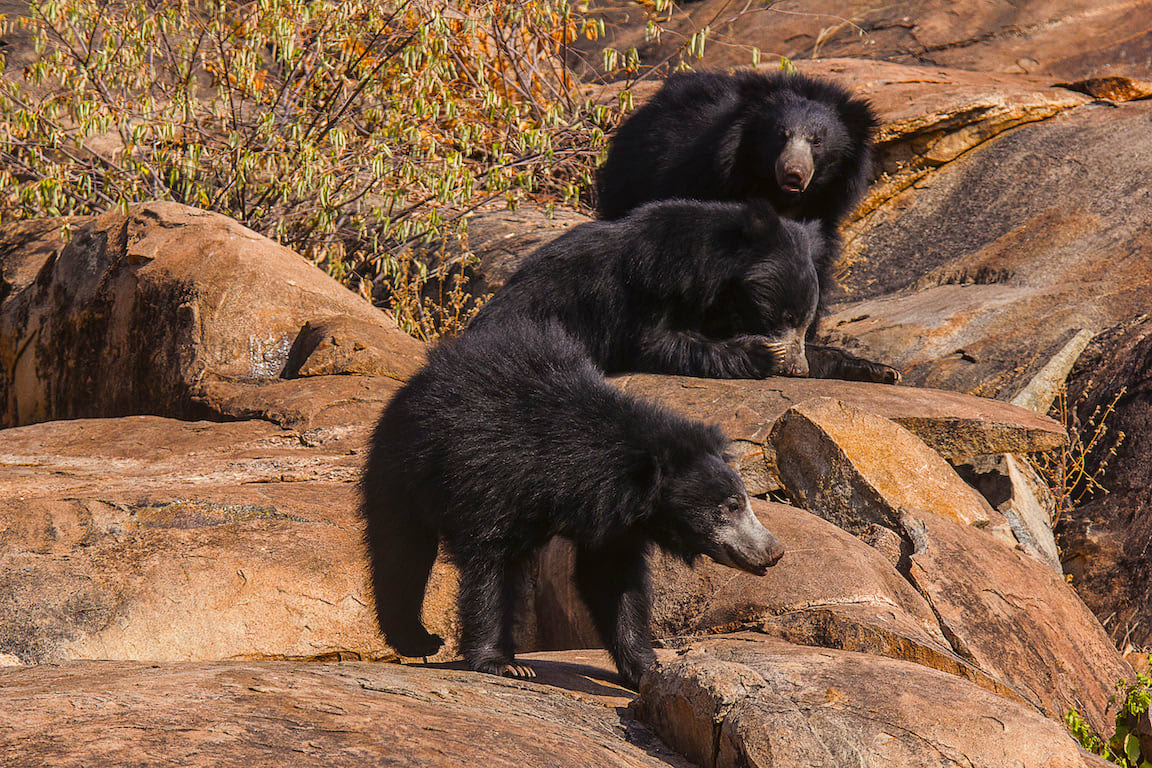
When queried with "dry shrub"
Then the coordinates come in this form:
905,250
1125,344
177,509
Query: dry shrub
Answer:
347,130
1075,470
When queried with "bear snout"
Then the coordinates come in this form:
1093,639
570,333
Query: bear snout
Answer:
795,166
745,544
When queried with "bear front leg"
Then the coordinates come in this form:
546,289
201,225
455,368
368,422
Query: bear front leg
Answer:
828,362
487,603
613,581
687,353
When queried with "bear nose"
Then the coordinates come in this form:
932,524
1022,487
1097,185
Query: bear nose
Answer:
775,551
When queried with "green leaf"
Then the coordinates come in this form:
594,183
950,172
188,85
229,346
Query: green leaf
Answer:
1131,748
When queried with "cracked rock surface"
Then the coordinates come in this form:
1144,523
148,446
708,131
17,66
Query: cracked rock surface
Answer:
284,713
746,700
1072,39
973,279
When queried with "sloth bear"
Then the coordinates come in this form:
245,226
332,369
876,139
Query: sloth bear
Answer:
510,436
710,289
801,143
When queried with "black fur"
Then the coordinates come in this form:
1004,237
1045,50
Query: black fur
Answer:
713,136
510,436
713,289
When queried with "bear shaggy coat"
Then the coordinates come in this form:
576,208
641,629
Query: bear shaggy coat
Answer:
509,437
710,289
802,144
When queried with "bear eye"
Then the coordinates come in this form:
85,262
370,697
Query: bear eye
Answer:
817,141
785,133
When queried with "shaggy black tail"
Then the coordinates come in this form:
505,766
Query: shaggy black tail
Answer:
401,549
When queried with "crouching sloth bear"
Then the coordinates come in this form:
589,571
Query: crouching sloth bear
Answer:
510,436
710,289
802,144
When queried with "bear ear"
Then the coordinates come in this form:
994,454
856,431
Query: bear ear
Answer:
646,475
759,219
860,118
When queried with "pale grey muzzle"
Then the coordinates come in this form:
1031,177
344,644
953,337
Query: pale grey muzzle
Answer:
795,166
744,543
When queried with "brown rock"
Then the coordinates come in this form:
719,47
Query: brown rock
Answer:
1014,618
498,241
1072,39
331,715
1013,487
149,538
955,426
929,116
137,313
1113,88
855,469
976,278
321,407
1106,541
829,590
339,345
744,699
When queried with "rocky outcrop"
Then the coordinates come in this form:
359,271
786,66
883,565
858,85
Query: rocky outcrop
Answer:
1013,617
282,713
154,311
931,115
1007,222
744,699
955,426
150,538
830,590
1106,540
975,281
858,469
1073,40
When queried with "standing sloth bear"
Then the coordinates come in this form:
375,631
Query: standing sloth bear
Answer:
802,144
510,436
710,289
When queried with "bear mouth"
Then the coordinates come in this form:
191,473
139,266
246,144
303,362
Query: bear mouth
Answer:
736,559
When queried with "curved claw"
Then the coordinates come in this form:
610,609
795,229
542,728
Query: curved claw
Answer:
521,671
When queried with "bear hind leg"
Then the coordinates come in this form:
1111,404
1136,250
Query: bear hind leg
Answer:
489,592
401,559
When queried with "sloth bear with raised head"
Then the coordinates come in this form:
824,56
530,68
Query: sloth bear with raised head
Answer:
710,289
801,143
510,436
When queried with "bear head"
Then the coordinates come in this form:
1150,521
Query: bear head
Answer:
805,138
702,508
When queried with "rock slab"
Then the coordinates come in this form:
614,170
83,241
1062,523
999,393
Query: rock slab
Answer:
256,714
151,538
954,425
138,313
829,590
855,469
747,700
1015,618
